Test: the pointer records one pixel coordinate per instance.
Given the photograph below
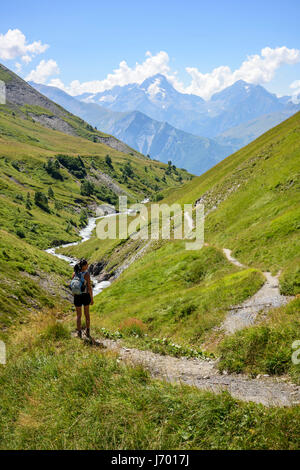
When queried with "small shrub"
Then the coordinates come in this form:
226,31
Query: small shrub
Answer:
56,332
158,197
127,170
20,233
28,202
186,310
50,193
58,205
108,161
74,165
41,201
83,217
87,188
15,164
52,168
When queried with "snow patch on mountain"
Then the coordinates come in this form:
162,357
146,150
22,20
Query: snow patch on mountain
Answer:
153,90
107,99
89,99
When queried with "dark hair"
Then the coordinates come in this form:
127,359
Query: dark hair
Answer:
78,267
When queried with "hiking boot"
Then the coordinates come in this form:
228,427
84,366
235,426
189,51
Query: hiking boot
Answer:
79,333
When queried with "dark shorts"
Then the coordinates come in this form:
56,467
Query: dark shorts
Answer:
82,299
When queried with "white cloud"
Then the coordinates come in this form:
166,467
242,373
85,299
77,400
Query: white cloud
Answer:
18,67
256,69
13,44
124,75
43,71
295,86
57,83
26,59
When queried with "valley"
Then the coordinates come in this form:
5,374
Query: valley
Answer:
163,315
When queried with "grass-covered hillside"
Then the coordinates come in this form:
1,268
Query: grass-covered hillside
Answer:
58,392
80,173
28,102
254,198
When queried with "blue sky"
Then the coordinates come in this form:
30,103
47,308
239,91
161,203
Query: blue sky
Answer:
187,39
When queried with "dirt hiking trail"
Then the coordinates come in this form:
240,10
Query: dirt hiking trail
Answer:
267,297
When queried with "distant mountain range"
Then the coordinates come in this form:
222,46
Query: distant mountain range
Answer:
156,119
156,97
160,140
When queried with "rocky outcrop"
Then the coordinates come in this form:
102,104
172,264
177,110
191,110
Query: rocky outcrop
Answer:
114,143
102,209
105,209
54,122
19,93
98,176
96,268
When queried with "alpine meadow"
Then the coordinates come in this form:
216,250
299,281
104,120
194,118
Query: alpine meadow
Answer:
186,349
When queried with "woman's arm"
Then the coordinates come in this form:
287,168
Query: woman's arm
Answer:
87,277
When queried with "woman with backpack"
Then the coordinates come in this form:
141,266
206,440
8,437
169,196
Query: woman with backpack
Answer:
83,294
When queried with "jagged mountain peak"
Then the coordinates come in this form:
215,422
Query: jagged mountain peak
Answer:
241,88
158,79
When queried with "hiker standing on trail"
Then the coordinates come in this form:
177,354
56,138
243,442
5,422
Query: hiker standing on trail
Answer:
83,294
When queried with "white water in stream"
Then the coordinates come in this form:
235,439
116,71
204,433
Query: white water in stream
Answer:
85,235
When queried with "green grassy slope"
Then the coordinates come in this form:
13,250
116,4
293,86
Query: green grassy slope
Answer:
205,283
257,194
25,149
256,191
57,393
30,280
27,102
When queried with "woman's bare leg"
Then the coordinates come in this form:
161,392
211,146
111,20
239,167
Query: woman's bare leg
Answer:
87,316
79,313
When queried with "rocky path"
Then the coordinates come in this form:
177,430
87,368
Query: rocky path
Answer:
243,315
204,375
